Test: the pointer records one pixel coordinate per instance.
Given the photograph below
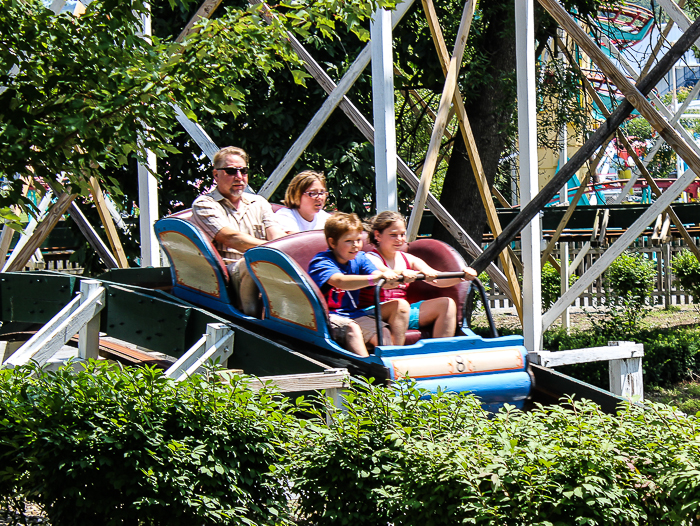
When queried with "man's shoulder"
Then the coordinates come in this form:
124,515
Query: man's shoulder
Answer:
255,199
207,199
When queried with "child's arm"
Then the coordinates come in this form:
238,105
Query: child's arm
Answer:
355,282
421,266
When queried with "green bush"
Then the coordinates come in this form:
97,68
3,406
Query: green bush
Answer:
551,285
402,460
631,277
109,446
686,269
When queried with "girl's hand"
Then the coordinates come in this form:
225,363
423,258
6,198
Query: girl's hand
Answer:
469,273
409,275
430,275
390,276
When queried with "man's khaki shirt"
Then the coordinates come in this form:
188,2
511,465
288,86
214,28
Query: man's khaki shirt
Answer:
212,211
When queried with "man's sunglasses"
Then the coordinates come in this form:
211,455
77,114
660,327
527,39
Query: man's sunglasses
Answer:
234,171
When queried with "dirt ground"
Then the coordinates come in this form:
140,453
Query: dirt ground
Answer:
676,316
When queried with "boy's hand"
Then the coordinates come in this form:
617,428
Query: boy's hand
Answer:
469,273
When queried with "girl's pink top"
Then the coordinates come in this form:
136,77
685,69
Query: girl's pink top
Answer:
367,294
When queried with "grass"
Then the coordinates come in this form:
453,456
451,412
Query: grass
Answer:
685,396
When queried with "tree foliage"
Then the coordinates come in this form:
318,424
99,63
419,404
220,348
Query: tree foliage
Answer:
91,91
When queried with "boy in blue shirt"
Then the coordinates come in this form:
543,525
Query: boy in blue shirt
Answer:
340,272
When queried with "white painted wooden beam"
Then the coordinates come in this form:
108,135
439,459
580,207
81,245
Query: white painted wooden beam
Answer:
148,211
322,115
92,236
216,346
648,217
89,334
590,354
294,383
196,132
531,235
383,106
61,328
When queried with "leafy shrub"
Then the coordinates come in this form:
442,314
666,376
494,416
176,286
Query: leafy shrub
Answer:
109,446
686,269
631,277
394,458
551,285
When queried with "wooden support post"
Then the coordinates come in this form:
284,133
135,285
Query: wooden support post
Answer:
148,191
626,377
89,335
92,236
564,258
383,105
205,11
668,281
507,258
216,346
448,92
529,177
108,222
148,212
5,242
41,232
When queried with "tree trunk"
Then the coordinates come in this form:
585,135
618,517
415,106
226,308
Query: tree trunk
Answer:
490,112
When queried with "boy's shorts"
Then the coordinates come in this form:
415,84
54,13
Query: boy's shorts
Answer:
340,324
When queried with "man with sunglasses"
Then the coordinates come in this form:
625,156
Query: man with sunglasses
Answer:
235,221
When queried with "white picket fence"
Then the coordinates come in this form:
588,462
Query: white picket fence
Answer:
664,293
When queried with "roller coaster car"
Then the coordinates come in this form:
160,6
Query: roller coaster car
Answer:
295,313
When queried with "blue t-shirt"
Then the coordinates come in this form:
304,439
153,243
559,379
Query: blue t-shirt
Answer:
342,302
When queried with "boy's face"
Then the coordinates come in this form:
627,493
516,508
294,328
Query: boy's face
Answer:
347,247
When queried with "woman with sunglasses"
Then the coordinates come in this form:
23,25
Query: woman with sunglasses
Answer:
305,197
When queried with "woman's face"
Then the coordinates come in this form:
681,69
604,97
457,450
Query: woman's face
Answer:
310,206
392,238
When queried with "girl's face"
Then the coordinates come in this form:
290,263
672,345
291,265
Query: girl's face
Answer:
393,237
310,206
